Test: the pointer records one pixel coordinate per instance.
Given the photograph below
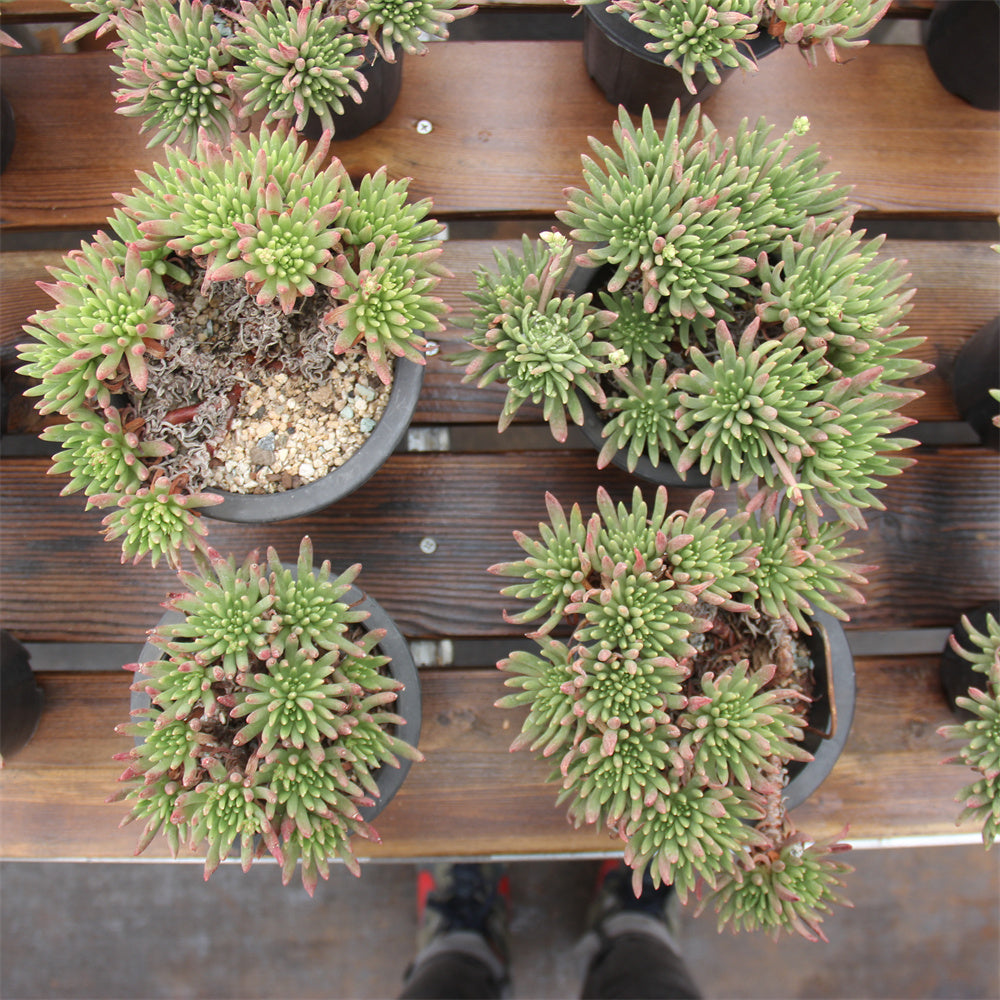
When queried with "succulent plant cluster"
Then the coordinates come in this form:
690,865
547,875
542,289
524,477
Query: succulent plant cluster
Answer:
712,35
187,65
733,322
980,733
287,236
270,714
678,702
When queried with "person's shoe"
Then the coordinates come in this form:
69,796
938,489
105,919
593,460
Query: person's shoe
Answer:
615,895
464,897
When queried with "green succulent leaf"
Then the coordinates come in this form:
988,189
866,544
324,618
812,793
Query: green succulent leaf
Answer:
155,520
690,830
309,604
406,23
293,61
545,683
172,70
788,889
226,616
555,568
739,730
697,36
616,775
294,701
101,456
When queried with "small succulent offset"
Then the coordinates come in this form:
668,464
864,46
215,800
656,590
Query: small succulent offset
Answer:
296,264
189,65
747,331
541,344
980,734
709,35
271,710
678,703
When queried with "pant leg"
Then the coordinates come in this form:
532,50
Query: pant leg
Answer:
458,966
637,959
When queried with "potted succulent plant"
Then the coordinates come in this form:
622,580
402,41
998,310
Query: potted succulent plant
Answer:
970,671
724,319
248,340
683,698
322,64
653,52
267,710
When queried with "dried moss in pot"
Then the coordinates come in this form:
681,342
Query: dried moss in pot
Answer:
302,267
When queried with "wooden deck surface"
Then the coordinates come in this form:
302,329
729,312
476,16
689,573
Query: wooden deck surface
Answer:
509,122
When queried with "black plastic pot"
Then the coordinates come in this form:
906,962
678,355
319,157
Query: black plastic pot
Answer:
977,370
618,61
956,673
385,79
21,699
831,711
401,666
253,508
962,39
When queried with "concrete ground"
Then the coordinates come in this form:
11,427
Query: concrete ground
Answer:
926,923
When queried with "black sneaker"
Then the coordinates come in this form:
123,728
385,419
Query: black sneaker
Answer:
464,897
614,894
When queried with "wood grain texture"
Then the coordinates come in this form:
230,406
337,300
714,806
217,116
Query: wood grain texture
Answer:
472,796
496,149
956,294
937,546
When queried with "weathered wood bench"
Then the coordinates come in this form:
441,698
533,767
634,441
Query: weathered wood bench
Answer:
509,120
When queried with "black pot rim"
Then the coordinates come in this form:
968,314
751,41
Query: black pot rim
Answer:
401,666
829,642
616,26
254,508
663,474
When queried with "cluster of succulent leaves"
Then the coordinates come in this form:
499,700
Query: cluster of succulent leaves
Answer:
980,732
711,35
270,712
673,707
289,224
743,329
185,65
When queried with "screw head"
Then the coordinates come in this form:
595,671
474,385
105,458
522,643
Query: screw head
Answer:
428,545
424,126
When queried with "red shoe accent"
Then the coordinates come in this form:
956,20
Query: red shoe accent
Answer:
425,886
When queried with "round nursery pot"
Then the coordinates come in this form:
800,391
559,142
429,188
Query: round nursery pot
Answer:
956,673
831,711
618,61
21,698
256,508
977,370
962,40
385,80
401,666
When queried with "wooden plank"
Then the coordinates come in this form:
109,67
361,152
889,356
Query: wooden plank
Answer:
471,796
494,149
937,546
956,284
